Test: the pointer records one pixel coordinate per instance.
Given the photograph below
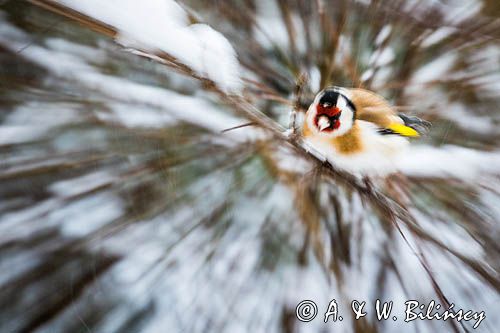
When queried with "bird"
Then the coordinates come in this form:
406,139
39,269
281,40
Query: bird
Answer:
359,131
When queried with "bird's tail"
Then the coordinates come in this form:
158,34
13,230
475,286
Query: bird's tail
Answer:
421,126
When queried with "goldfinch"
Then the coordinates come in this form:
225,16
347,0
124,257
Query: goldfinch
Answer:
358,130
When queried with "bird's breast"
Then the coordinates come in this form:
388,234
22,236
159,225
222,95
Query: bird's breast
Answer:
350,142
362,150
346,144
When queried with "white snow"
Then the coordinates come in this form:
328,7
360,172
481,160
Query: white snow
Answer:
450,161
383,34
314,78
26,123
166,103
218,58
163,25
89,54
382,57
459,11
82,184
80,218
435,69
437,36
468,120
14,134
136,116
368,74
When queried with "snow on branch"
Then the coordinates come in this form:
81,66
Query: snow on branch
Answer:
157,26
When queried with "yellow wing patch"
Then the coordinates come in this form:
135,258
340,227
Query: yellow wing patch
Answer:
403,130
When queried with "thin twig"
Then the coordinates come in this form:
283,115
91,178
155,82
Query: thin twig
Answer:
299,88
236,127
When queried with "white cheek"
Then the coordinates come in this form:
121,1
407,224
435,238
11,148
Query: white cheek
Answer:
346,122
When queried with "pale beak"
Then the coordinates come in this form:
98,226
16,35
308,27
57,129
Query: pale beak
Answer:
323,122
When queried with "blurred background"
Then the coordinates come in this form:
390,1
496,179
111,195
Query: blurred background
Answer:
124,207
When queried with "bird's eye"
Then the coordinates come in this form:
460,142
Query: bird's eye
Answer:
327,105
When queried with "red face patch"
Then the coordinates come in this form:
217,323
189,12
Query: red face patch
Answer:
331,111
333,114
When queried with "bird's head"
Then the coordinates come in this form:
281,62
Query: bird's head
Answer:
332,113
